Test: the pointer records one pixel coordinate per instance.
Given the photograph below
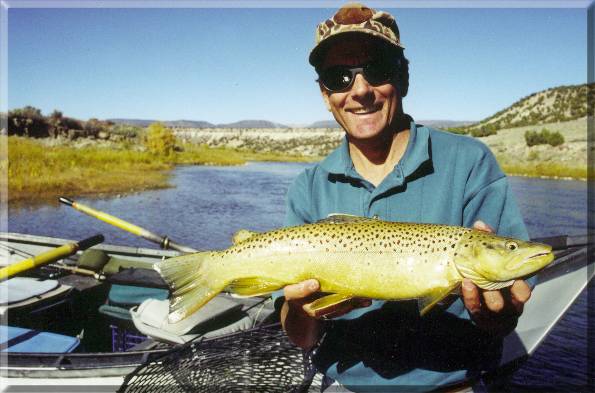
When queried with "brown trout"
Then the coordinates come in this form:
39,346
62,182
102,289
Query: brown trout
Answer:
352,257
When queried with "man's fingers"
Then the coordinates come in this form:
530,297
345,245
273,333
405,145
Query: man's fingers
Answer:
301,290
482,226
493,300
520,292
361,302
471,296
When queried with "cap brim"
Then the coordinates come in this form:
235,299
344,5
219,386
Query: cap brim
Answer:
316,52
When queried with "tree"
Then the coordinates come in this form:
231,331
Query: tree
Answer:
27,121
160,140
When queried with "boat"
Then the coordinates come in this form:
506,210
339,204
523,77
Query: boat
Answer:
109,352
108,343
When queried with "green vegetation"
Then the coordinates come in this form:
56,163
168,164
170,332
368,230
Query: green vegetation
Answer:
555,105
483,131
544,169
457,130
30,122
544,137
160,140
39,172
36,171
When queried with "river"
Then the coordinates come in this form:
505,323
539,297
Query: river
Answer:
207,205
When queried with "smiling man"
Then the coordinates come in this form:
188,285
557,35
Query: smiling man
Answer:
392,168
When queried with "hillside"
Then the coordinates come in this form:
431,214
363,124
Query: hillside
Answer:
171,123
252,124
554,105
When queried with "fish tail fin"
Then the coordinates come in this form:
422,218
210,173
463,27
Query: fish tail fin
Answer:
192,282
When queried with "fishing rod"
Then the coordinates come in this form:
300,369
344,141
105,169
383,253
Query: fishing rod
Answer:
163,241
50,256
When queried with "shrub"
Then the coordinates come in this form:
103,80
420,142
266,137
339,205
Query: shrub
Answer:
544,137
484,131
457,130
160,140
127,131
27,121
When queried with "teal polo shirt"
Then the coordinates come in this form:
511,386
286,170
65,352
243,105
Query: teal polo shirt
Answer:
442,178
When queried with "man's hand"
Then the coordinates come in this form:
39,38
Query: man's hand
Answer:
302,329
496,312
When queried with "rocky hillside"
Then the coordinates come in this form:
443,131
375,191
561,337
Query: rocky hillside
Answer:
314,142
554,105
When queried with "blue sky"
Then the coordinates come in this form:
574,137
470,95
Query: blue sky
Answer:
228,64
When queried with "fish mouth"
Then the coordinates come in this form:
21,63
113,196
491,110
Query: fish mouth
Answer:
541,254
542,259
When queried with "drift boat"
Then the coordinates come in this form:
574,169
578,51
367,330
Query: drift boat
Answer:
111,314
76,322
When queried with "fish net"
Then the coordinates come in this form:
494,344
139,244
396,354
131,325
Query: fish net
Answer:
256,360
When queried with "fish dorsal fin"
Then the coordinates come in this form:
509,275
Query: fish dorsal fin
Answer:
480,280
339,218
326,305
241,235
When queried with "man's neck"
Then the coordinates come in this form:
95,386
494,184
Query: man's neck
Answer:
375,159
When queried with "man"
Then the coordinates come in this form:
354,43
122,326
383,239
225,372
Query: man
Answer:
391,168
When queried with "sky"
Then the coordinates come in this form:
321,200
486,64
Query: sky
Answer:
228,64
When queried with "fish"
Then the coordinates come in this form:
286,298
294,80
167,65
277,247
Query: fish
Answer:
352,257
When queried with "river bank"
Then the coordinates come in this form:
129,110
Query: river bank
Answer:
42,169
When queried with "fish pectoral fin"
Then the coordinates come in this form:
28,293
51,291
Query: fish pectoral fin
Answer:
326,305
254,286
241,235
492,285
426,303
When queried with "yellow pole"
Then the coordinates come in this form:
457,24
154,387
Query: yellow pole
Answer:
163,241
48,256
115,221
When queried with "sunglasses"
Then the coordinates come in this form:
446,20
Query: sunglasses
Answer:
340,78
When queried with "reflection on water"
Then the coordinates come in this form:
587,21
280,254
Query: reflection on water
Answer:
207,205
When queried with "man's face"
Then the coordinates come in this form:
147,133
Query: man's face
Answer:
364,111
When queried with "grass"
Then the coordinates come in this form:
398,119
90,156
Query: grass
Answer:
41,173
203,155
37,172
545,169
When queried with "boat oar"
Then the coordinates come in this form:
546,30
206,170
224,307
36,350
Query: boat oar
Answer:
163,241
50,256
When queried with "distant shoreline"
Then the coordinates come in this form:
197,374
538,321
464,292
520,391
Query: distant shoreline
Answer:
42,169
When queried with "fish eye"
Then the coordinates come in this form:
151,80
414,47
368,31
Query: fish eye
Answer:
511,245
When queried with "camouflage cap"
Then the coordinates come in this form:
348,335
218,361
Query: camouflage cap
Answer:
356,18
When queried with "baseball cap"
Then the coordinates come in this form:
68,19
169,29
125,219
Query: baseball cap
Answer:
355,18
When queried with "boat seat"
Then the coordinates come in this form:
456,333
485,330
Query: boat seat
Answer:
15,339
123,297
18,289
19,292
219,316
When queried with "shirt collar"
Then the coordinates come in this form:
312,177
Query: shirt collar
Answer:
417,152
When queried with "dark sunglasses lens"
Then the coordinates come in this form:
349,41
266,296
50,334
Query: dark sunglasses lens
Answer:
336,78
378,73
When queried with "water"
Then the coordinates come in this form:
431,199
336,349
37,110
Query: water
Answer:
207,205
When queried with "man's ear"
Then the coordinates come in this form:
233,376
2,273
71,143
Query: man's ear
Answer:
325,97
